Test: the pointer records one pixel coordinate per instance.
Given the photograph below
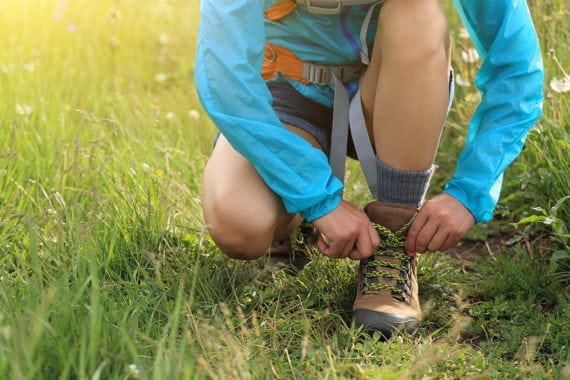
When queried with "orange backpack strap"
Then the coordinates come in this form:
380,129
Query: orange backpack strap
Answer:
281,9
278,59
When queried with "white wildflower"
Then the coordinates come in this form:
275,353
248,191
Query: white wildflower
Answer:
134,371
474,97
463,34
160,77
24,109
470,55
461,81
8,68
163,39
169,116
560,85
29,66
194,115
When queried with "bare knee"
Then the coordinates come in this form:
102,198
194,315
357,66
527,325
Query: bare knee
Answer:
239,239
236,230
240,210
413,30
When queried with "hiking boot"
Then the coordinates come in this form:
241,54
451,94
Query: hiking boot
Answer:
387,293
292,254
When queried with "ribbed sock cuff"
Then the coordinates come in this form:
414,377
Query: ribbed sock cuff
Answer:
402,187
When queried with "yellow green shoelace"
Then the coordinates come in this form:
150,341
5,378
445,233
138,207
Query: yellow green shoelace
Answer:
390,246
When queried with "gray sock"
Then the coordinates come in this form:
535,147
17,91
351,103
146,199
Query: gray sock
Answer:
402,187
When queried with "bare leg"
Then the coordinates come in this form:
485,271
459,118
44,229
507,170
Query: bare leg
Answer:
404,97
243,214
405,90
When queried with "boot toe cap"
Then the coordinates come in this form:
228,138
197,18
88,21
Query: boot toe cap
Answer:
387,324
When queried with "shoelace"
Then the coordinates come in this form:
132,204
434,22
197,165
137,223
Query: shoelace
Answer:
373,271
303,237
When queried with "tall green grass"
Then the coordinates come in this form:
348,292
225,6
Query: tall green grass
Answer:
106,268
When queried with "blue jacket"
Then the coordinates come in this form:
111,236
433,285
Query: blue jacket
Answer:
229,57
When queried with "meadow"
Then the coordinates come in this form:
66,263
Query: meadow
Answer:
106,267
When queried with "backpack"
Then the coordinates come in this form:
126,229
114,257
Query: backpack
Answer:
278,59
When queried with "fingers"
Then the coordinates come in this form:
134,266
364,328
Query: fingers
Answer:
426,235
339,249
362,247
366,245
419,234
438,226
346,232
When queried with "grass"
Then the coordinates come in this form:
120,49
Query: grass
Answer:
106,269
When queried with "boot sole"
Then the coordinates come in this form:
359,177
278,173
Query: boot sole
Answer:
387,324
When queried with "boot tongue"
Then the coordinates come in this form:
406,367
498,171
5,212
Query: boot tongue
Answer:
389,215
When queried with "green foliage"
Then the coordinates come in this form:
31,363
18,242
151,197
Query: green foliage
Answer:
519,312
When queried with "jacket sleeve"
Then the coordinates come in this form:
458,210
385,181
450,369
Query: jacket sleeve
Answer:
510,80
228,80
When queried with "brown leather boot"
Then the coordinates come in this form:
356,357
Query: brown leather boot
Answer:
292,254
387,294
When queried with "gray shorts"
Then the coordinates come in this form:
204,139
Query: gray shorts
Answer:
314,118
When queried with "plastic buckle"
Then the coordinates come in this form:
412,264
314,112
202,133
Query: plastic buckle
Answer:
324,10
316,74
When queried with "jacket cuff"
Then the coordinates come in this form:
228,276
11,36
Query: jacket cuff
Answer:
480,214
321,209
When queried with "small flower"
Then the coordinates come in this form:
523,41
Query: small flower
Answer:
71,28
6,69
67,108
24,109
58,15
461,81
560,85
163,39
194,115
169,116
463,34
134,371
159,173
29,66
470,55
160,77
474,97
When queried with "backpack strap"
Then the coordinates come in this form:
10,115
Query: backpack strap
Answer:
278,59
281,9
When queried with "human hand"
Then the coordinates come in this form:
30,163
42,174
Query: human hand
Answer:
346,232
439,225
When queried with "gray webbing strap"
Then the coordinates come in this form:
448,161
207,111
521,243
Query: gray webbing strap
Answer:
339,134
364,58
362,144
347,114
326,74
